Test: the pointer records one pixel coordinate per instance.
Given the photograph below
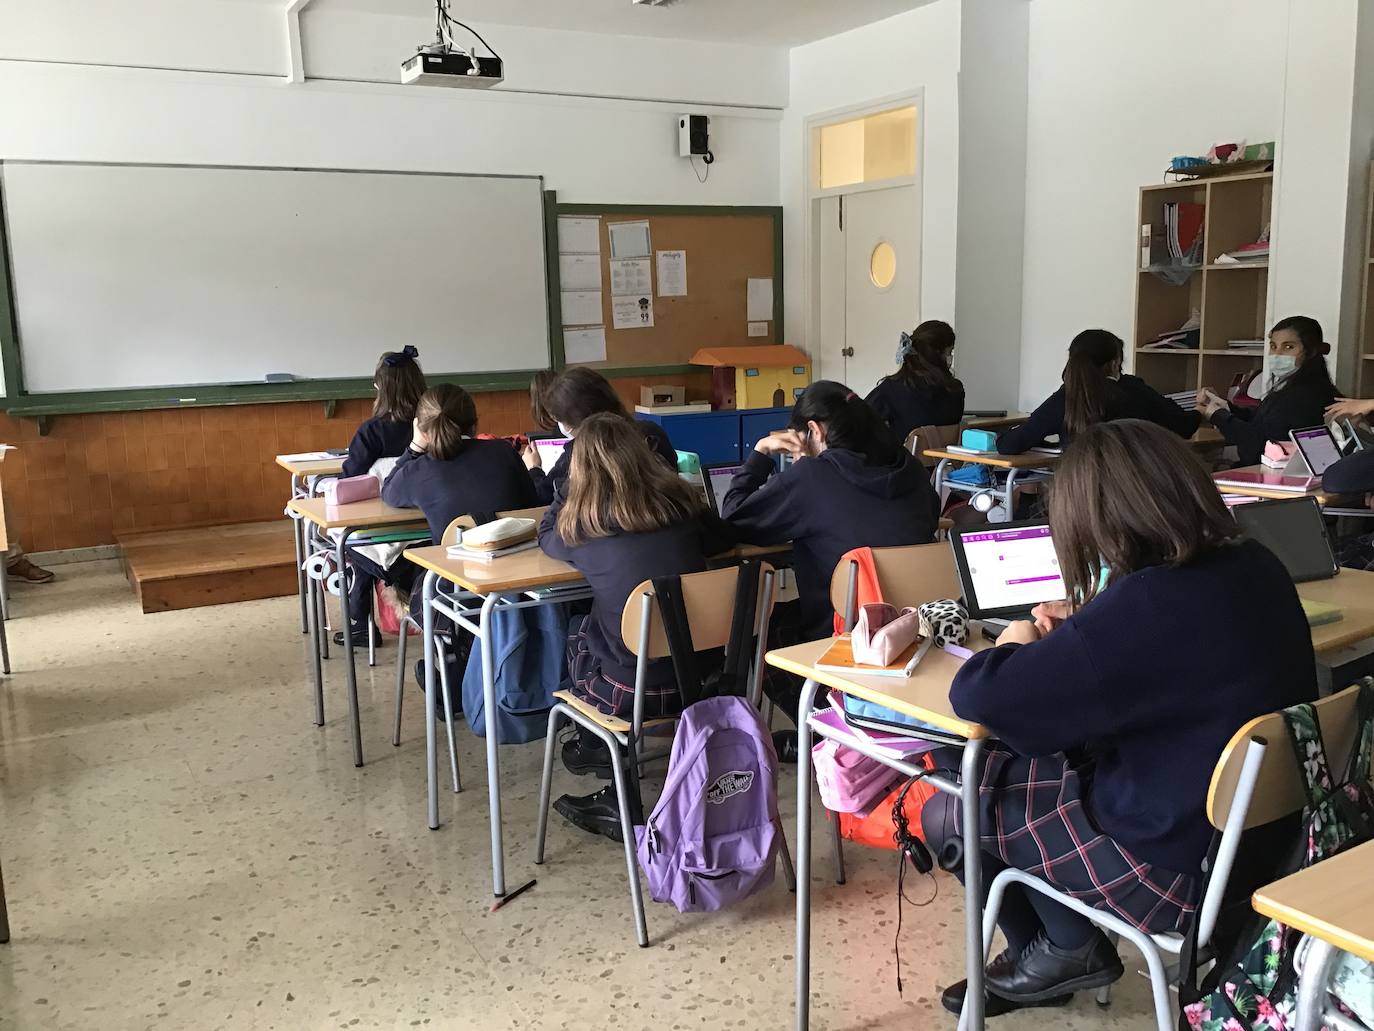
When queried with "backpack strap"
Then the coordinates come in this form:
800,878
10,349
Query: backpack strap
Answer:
1357,771
668,593
738,651
1305,733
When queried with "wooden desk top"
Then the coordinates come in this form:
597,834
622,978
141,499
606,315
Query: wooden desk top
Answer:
1353,591
527,570
1030,460
997,422
924,695
369,514
319,467
1270,493
1333,901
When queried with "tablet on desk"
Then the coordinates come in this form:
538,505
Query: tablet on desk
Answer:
1295,531
718,479
1318,448
550,450
1008,569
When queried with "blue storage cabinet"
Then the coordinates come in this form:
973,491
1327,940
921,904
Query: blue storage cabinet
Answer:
720,437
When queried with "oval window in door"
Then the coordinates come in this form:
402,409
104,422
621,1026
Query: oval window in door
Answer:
882,265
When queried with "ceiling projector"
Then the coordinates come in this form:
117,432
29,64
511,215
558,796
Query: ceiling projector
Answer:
444,63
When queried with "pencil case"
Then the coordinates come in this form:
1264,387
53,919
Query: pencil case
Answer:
979,440
347,490
500,533
883,632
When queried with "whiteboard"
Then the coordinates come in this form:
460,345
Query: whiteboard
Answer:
155,275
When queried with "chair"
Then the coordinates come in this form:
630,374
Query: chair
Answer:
908,576
1255,782
931,438
407,621
643,633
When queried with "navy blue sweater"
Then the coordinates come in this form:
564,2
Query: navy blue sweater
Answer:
1152,678
1127,398
614,566
376,438
485,477
1353,474
548,483
905,407
826,506
1301,402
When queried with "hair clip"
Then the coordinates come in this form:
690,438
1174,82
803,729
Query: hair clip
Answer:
406,354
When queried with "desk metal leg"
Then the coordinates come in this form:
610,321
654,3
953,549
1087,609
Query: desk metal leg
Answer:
940,471
1009,495
1316,971
498,854
804,855
298,534
431,682
312,611
974,961
349,672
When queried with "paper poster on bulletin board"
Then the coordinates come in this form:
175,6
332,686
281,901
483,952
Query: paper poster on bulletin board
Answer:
633,311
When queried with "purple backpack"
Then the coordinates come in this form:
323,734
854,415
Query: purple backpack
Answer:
713,837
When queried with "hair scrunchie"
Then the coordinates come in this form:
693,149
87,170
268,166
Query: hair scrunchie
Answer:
406,354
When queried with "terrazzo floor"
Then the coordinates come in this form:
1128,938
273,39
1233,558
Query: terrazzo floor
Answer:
183,848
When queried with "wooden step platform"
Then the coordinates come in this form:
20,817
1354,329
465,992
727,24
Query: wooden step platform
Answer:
209,565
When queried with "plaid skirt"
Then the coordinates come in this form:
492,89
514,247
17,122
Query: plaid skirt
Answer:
611,696
1034,819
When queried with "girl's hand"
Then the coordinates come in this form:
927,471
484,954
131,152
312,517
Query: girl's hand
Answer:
1023,631
1049,615
787,442
531,458
418,440
1350,408
1209,403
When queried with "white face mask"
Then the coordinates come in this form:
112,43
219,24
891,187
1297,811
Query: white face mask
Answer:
1279,367
564,430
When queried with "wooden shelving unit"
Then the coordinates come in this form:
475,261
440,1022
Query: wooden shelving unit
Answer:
1364,371
1231,299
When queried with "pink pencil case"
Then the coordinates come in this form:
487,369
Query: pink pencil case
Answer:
345,491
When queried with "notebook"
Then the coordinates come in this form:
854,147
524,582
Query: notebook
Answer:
1269,480
1319,613
839,658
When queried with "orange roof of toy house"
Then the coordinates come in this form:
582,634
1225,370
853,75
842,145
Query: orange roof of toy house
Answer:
759,354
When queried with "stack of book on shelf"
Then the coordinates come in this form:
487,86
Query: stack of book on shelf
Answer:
1248,346
1251,253
1180,243
1186,338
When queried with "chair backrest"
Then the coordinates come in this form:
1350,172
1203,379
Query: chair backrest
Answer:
1278,786
466,522
931,438
908,576
709,600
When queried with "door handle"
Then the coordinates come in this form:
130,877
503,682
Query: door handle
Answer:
846,352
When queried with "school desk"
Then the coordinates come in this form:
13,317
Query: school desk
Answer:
996,422
1333,904
374,514
518,581
925,696
1352,591
1015,466
305,477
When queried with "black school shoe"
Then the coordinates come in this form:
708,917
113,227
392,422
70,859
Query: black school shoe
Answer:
359,636
598,813
952,998
1044,970
584,754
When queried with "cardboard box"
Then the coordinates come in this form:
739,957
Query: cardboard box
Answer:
661,395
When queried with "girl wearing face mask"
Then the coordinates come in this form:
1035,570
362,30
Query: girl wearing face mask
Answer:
1095,390
923,391
569,399
1300,390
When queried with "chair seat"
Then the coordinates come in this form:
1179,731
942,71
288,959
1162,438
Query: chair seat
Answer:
614,724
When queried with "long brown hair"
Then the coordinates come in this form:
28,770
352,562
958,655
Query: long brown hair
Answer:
928,359
539,386
1091,356
446,414
400,382
1129,494
617,485
577,393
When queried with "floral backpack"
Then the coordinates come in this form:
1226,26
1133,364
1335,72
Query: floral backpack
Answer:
1256,989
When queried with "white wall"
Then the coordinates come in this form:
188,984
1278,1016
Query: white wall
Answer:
589,149
916,50
1115,90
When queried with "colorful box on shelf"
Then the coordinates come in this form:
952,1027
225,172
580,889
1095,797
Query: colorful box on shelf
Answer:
762,376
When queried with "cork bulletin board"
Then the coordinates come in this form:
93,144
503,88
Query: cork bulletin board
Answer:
725,247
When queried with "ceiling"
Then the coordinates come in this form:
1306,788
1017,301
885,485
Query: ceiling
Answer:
757,22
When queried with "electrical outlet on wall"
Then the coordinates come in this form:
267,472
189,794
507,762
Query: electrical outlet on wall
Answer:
758,329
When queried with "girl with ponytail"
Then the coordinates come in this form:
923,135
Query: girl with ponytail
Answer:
923,391
1095,390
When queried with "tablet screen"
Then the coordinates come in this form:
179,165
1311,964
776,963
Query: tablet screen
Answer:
1318,447
1013,567
550,450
